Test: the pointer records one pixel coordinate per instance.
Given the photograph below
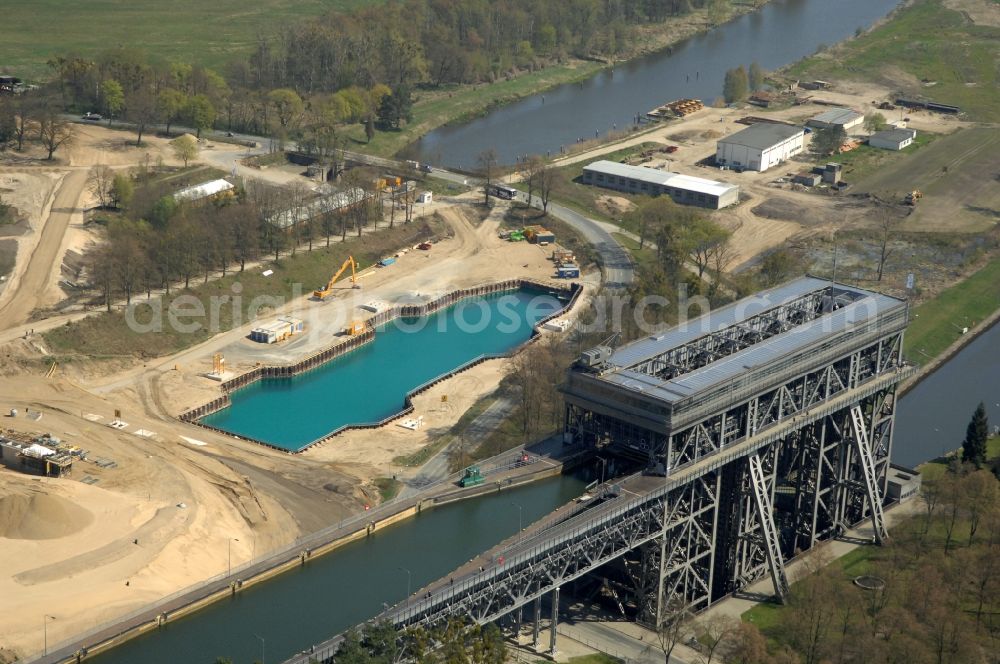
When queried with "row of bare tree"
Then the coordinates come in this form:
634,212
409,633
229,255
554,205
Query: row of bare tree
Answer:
154,242
33,117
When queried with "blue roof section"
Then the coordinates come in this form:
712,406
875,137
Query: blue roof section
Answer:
868,307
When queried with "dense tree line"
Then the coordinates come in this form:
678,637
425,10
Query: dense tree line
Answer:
33,118
455,643
358,66
155,242
931,596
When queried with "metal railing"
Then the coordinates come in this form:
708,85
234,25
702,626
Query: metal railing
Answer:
562,529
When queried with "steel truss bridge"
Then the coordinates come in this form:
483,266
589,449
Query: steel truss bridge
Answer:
768,427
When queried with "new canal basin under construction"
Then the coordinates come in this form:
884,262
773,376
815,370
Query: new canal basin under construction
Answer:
371,382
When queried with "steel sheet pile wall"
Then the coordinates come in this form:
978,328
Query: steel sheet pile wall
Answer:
194,415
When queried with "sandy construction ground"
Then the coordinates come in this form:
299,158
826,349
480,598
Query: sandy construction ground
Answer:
71,545
51,196
68,548
168,510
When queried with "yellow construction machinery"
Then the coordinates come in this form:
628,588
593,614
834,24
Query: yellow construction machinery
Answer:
355,328
325,292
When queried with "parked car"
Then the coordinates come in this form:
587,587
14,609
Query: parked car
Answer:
93,117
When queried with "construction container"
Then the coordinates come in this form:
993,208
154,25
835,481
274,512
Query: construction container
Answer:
568,271
277,330
297,325
537,234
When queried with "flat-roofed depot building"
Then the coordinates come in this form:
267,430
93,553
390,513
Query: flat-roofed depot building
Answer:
845,118
892,139
759,146
683,189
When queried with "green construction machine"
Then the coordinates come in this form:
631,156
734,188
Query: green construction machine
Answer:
472,477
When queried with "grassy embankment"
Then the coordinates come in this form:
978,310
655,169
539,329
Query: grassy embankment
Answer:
388,487
922,44
937,323
108,334
864,161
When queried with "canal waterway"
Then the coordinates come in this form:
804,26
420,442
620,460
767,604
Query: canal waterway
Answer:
351,584
780,33
371,382
931,418
345,587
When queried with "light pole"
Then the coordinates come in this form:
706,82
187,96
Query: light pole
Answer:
408,579
229,558
261,639
45,633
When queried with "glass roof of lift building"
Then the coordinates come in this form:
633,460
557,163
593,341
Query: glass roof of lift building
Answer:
755,331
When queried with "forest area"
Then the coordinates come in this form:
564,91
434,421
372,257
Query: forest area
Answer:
309,79
934,589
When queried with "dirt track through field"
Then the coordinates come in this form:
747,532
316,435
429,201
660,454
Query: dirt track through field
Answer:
31,289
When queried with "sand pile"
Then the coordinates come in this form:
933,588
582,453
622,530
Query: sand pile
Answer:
36,516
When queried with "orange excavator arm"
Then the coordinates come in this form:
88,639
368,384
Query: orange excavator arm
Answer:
324,292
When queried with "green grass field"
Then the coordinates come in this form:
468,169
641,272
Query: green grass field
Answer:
208,33
928,42
864,161
933,323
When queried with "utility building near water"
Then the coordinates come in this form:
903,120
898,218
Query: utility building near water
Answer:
683,189
759,146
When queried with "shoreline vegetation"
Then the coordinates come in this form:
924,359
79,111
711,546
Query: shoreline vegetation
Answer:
328,84
462,103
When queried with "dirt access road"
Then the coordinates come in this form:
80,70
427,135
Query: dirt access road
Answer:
44,259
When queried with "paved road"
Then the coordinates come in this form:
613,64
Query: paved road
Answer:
614,259
436,469
42,262
613,639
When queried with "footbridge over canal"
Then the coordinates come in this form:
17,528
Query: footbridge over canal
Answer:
765,426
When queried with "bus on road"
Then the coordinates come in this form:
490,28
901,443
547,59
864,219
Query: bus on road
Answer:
503,191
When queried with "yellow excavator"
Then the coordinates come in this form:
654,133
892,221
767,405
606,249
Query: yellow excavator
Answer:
325,292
